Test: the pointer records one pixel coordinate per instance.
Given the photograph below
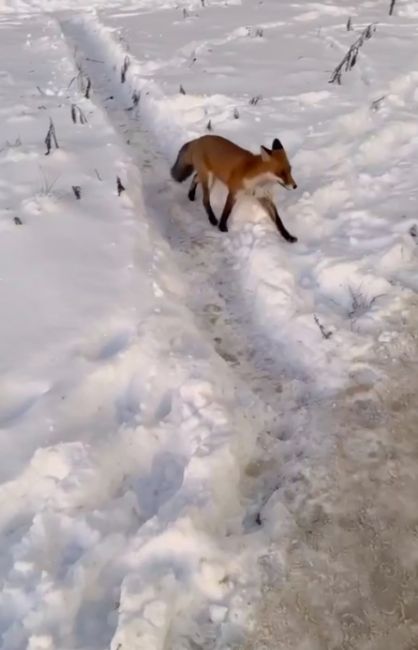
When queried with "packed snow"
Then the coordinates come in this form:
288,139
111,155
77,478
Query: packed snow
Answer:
208,440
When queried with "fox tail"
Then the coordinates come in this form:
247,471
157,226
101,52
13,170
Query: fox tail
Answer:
183,167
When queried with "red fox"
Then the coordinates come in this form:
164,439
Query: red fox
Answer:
213,157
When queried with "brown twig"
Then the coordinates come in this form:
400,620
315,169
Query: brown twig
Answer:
51,138
120,188
77,114
88,88
350,58
124,69
326,334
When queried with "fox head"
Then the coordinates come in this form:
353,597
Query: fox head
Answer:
278,163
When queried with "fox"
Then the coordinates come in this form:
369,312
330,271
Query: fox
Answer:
212,157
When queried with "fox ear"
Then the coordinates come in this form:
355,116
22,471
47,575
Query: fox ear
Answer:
265,153
277,145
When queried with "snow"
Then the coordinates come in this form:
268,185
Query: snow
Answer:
190,419
332,277
118,425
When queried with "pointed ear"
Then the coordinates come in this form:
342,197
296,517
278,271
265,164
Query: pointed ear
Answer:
265,153
277,145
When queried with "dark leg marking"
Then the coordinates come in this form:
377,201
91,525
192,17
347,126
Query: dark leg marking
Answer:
229,204
206,202
193,187
270,208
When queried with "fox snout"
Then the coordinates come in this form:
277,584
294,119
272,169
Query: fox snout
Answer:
288,181
289,185
291,182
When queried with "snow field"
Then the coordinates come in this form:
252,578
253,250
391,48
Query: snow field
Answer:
184,413
324,306
354,263
122,437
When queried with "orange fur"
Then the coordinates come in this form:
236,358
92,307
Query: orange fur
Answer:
213,157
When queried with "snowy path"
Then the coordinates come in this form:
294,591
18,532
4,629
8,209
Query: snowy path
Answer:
276,399
179,431
123,434
203,257
348,578
327,589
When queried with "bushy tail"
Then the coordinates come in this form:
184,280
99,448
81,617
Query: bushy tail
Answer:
183,167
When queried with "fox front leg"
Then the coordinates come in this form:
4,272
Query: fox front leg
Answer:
271,210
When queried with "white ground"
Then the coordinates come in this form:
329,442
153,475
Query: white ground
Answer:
207,440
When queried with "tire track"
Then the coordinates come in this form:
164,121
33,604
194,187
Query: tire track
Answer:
280,400
341,567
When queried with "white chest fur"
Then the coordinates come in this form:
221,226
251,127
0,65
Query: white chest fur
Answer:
260,185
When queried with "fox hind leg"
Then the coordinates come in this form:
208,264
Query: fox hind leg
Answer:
229,204
203,179
193,187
